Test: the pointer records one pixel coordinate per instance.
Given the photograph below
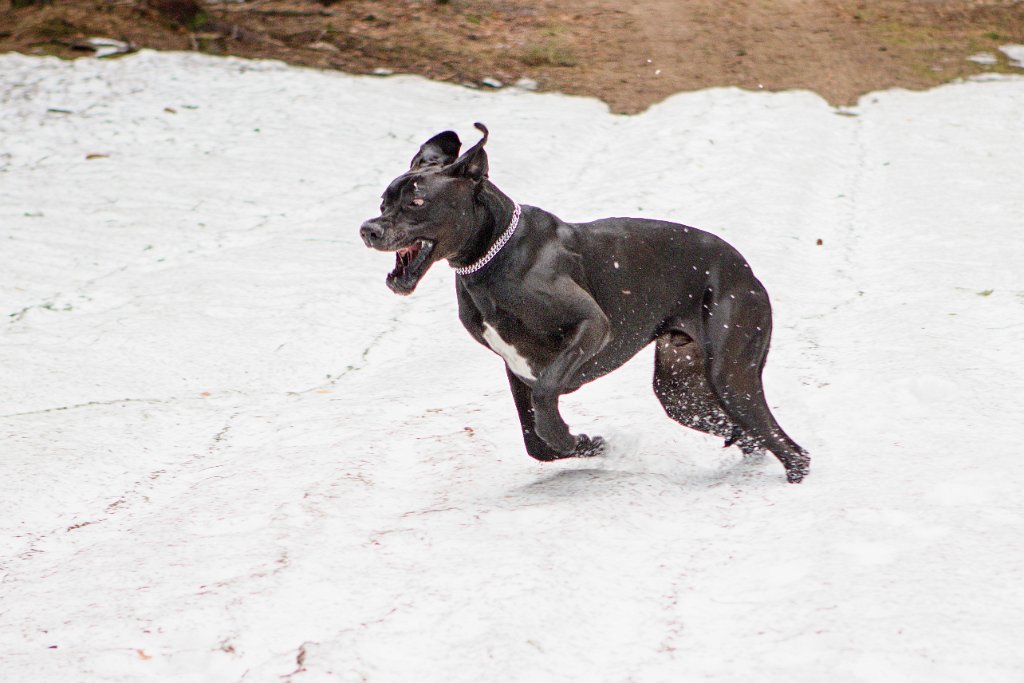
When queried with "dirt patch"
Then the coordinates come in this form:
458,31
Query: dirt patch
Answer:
629,54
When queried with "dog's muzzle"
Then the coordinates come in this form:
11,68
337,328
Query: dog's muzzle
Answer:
372,232
413,255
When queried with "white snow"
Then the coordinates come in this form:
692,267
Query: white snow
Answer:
986,58
230,453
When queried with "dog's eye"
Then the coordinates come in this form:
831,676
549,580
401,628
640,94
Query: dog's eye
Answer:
418,201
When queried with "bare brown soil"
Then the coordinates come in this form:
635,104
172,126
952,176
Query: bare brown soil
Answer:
629,54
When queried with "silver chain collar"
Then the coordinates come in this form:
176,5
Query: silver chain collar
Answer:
495,248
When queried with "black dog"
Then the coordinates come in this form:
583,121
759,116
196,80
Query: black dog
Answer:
565,303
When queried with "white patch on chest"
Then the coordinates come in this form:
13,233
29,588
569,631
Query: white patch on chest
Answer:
516,363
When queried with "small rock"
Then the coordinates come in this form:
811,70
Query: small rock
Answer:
492,83
107,47
526,84
323,46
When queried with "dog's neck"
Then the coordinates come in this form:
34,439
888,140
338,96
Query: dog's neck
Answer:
493,211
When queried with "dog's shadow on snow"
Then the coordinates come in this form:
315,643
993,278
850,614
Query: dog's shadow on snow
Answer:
583,482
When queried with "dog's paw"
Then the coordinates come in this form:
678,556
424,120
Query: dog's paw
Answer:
588,447
796,471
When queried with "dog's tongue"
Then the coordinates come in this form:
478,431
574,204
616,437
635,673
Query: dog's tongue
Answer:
409,253
404,258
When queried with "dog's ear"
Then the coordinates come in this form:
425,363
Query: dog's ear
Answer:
472,164
440,150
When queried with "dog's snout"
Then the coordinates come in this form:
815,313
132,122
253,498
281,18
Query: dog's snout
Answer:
371,232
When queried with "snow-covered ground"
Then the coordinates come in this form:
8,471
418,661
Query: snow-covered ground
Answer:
230,453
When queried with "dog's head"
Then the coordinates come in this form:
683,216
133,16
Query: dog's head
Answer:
427,212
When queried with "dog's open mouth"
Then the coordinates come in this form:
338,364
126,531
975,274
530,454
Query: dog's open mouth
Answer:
410,264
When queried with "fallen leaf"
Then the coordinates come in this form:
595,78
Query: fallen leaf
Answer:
143,655
90,157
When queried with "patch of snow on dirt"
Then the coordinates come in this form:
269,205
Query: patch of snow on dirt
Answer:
1015,53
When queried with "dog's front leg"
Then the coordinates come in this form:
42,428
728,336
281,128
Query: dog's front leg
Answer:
523,397
590,334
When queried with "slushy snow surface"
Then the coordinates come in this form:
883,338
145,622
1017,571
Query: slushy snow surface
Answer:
229,453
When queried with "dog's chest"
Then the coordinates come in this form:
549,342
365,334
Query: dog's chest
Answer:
516,361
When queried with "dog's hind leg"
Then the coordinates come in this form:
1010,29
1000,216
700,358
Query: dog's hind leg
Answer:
737,330
681,384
